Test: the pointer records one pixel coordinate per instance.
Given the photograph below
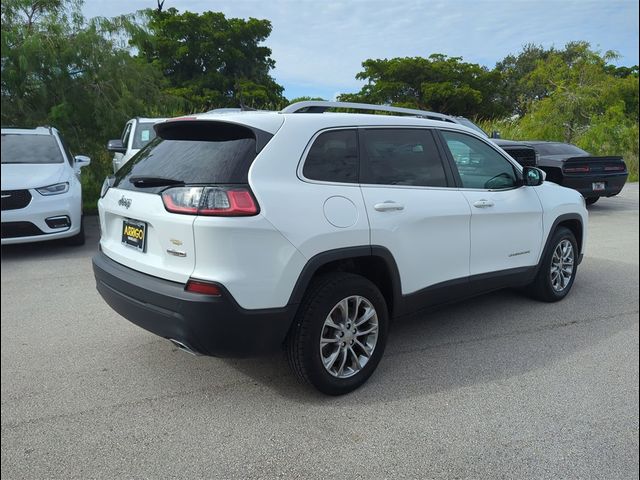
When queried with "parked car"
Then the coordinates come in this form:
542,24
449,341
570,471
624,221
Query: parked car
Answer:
572,167
521,152
136,134
237,234
41,190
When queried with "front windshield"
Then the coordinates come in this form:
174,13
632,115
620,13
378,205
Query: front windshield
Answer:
468,123
30,149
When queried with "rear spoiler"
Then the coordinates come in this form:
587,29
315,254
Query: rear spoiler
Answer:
586,159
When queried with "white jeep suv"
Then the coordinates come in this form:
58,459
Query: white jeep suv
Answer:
236,234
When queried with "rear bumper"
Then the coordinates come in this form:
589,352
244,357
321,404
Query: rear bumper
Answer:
584,184
209,325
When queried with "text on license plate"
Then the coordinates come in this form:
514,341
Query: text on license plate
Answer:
134,234
597,186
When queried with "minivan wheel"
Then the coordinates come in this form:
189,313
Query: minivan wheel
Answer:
558,267
339,334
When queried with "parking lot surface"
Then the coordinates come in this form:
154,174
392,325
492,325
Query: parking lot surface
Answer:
499,386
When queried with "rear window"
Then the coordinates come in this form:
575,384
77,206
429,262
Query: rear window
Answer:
194,153
36,149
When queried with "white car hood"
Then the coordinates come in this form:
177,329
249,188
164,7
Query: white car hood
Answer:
18,176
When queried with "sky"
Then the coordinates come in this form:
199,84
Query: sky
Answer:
319,45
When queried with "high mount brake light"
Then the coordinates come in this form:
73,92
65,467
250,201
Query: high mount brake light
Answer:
211,201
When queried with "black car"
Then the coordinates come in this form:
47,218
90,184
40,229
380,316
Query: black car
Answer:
572,167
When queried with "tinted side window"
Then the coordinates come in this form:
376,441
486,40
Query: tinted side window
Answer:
67,152
402,157
333,157
479,165
126,133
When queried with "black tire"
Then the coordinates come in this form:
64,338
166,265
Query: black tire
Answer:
542,288
78,239
591,200
303,342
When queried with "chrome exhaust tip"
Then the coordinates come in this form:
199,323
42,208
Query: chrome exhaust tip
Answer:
184,347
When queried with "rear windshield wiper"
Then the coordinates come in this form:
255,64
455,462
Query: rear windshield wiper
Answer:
143,182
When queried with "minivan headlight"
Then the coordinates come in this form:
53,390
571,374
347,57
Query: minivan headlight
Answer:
55,189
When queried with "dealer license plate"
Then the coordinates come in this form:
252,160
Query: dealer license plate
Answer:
134,234
598,186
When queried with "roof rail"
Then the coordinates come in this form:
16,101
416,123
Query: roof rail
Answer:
317,106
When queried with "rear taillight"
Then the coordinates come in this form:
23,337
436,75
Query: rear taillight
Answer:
614,168
212,201
204,288
580,169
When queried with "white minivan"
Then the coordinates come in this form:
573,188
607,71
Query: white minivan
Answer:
41,190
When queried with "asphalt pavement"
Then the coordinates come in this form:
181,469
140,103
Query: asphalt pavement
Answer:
499,386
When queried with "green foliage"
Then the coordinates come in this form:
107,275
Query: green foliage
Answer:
304,99
580,99
441,83
59,70
85,79
209,60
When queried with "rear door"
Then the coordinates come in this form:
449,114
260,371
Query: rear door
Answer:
506,217
413,207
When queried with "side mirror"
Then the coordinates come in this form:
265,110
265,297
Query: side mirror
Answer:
495,134
116,146
82,160
533,176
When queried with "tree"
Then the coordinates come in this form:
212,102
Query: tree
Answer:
579,90
513,69
441,83
61,71
210,60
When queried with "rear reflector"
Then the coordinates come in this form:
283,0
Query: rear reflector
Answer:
580,169
212,201
205,288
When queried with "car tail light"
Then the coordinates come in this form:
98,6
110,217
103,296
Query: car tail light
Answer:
212,201
579,169
614,168
205,288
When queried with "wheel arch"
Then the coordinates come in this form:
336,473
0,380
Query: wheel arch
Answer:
373,262
573,222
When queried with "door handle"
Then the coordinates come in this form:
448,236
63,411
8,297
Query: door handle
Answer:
483,203
388,206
